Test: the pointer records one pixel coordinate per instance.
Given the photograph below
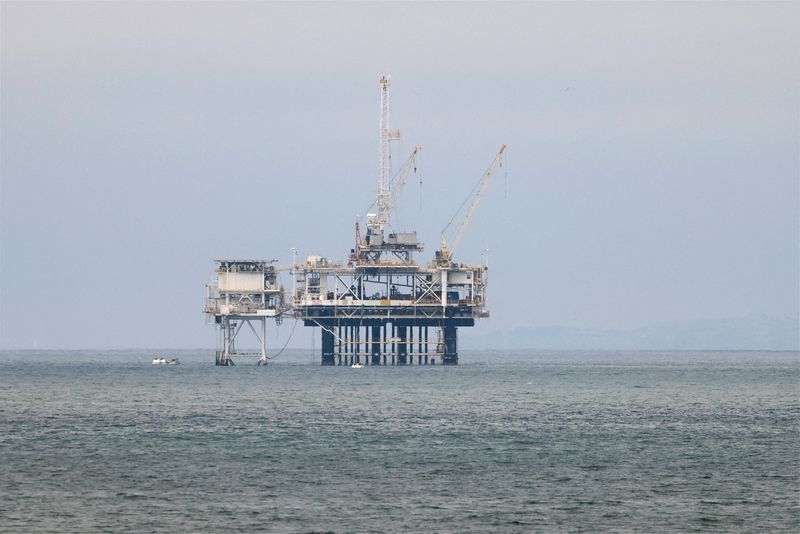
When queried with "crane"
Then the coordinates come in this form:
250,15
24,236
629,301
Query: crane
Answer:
445,255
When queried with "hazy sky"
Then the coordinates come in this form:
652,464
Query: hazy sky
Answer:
652,170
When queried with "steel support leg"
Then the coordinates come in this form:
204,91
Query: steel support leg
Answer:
327,347
402,348
376,345
450,356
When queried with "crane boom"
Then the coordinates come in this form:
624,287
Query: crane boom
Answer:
400,180
447,255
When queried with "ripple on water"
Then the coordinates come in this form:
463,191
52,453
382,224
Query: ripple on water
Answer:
549,442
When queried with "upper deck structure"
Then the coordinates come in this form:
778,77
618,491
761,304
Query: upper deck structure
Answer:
382,307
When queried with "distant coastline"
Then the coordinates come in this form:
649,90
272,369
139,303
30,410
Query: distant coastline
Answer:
743,333
751,333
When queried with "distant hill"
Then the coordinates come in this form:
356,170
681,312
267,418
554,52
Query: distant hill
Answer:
746,333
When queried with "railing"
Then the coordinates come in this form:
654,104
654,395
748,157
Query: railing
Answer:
235,308
405,302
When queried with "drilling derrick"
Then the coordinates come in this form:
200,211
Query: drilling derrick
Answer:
384,158
377,222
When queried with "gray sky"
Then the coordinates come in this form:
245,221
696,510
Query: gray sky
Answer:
652,171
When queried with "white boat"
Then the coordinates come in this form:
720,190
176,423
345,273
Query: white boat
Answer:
163,361
356,366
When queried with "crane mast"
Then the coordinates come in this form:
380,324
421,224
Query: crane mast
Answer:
445,255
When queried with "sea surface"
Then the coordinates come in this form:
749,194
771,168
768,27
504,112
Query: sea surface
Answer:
505,442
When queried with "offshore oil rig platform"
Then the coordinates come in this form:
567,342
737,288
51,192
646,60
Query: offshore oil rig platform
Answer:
380,308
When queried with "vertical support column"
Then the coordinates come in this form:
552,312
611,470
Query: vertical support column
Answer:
384,344
410,345
228,339
339,341
444,290
263,359
348,345
426,345
357,340
419,349
402,347
351,353
394,344
223,356
223,328
327,345
450,356
376,345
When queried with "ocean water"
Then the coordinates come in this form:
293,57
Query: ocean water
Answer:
505,442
